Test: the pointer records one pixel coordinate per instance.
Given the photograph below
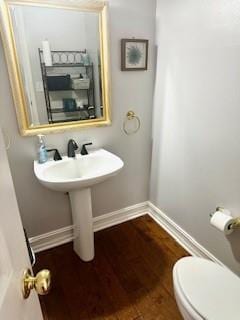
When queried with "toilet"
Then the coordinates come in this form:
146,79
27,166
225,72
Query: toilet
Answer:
204,290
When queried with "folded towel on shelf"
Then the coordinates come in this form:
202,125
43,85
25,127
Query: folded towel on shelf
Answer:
69,105
58,83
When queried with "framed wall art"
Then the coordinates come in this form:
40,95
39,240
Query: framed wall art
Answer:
134,54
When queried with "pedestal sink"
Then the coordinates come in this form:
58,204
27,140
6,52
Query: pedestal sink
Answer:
76,176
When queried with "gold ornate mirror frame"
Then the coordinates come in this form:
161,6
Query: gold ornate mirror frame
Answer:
14,67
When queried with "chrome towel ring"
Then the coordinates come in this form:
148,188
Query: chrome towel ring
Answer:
131,116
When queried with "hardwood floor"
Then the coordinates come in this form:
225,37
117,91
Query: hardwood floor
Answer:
130,277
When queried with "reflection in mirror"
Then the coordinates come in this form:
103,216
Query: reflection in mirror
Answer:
59,57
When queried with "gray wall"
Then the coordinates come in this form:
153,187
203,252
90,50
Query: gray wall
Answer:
196,149
43,210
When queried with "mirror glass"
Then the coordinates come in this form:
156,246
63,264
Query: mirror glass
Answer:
60,63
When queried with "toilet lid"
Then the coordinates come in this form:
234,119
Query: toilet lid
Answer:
212,290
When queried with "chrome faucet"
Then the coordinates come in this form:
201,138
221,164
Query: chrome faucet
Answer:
72,147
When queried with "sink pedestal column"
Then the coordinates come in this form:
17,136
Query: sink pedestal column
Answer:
83,242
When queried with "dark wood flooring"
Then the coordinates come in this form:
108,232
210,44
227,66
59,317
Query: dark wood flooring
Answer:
129,279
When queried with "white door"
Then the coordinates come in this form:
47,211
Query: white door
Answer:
14,257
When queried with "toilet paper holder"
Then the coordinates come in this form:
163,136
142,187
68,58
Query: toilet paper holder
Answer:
236,223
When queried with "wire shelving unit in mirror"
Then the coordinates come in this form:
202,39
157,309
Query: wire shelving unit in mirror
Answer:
68,84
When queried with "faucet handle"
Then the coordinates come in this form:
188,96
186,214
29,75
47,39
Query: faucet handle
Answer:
56,155
84,150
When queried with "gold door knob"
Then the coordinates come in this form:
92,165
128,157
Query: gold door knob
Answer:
41,283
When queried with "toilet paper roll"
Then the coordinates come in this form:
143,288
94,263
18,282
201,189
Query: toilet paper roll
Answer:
47,56
222,222
225,211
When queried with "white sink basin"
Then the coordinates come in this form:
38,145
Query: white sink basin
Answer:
76,176
77,173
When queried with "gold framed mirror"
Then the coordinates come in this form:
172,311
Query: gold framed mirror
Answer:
57,53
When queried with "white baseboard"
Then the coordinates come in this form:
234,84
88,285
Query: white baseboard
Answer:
119,216
64,235
180,235
57,237
51,239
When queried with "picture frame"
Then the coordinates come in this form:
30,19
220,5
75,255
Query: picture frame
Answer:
134,54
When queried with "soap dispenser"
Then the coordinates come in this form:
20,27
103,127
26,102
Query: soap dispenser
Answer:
42,151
